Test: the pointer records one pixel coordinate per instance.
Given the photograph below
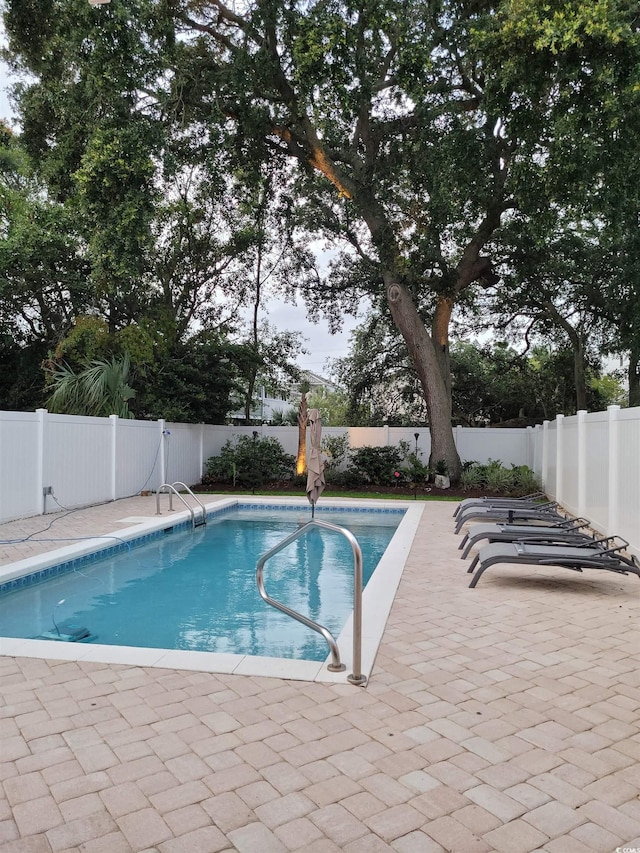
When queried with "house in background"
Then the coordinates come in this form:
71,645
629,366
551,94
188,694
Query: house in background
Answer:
266,409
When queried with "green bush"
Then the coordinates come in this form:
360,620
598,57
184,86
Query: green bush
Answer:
494,477
250,462
524,479
350,478
499,479
378,465
472,477
414,471
336,450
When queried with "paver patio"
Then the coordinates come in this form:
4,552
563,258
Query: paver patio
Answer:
504,718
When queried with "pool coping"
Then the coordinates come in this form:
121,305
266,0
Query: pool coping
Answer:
378,599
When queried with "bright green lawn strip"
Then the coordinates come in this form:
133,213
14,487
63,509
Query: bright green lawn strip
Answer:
330,494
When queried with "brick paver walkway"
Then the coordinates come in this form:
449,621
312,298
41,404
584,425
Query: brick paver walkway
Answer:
504,718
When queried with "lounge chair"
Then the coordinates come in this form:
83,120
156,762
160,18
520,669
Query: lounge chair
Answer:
574,557
567,532
544,513
489,500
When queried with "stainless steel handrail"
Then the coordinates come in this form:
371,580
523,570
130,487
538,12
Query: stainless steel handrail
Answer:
356,676
196,499
173,491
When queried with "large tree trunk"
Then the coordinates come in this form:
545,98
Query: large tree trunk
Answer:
440,337
423,353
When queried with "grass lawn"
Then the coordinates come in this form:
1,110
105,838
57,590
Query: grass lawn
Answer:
328,493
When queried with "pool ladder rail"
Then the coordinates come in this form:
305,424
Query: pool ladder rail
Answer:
201,521
356,676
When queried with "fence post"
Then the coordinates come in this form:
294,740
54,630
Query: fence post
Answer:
163,473
582,462
114,456
201,451
559,457
530,448
41,499
457,435
545,455
614,469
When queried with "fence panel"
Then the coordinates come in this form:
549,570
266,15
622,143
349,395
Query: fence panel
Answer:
628,476
77,460
550,483
182,454
570,467
215,437
90,460
509,446
20,484
138,449
537,439
596,473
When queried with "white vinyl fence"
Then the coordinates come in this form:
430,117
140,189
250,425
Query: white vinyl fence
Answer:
590,463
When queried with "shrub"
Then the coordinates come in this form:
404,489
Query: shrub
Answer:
377,464
524,480
336,450
414,470
472,477
441,467
350,478
250,462
498,479
494,477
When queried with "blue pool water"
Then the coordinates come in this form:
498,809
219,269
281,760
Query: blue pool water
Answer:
196,590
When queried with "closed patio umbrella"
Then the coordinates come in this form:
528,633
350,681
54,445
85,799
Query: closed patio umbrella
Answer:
315,465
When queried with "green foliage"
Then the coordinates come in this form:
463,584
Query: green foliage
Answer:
433,140
498,479
21,375
336,450
524,480
414,471
333,406
250,462
194,381
286,418
100,389
349,478
494,477
441,467
378,464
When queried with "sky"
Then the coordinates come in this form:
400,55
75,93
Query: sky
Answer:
283,316
321,344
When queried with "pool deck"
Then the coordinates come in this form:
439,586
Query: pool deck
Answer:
503,719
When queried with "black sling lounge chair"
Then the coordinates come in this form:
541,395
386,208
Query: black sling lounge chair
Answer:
533,498
543,513
574,557
566,532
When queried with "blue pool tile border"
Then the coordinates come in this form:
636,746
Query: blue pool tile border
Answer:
127,545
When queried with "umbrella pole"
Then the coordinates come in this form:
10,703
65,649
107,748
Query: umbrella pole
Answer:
313,509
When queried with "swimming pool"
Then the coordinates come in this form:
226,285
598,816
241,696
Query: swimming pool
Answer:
139,575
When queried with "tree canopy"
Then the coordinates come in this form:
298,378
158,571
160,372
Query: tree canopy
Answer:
426,139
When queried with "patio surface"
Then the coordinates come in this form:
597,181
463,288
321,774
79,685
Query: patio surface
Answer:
504,718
